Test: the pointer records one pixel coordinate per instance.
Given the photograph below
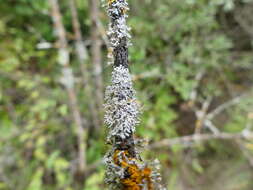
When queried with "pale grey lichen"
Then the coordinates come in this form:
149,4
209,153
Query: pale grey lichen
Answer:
124,167
118,29
113,172
121,107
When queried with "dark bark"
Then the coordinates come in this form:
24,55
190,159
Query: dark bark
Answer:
121,59
121,54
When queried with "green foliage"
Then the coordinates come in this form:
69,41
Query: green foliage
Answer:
173,41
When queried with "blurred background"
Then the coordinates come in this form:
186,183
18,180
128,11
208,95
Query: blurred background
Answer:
192,66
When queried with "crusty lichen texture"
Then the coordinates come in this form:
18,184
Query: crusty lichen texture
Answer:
118,28
128,172
124,168
121,108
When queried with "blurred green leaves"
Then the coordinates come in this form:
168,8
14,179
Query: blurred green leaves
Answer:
173,41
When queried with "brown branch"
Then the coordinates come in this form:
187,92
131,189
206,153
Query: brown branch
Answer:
68,81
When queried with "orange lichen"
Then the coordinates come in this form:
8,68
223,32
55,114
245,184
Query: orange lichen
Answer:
110,1
136,176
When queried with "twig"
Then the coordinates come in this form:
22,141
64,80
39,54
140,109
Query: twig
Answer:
225,105
147,74
209,124
245,152
68,81
196,138
201,115
96,59
198,77
82,55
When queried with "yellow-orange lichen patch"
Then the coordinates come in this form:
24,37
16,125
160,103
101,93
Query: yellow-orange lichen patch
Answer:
136,177
110,1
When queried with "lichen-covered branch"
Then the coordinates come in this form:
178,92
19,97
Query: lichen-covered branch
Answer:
125,169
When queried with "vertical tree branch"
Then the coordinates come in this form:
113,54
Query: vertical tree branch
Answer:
201,114
82,55
96,53
68,82
125,169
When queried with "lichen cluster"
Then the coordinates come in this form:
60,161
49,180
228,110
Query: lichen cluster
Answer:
121,108
130,174
118,29
124,168
126,172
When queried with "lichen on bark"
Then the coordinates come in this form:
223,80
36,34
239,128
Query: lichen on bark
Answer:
125,170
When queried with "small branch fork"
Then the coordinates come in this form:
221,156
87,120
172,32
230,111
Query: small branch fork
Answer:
204,119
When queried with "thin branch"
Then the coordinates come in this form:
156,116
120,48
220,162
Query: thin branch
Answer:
81,52
68,81
147,74
122,112
198,78
245,152
225,105
196,138
201,115
96,58
209,124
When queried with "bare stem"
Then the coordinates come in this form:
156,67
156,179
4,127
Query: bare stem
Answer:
68,81
81,52
96,53
195,138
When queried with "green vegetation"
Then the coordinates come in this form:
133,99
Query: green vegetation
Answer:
192,65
